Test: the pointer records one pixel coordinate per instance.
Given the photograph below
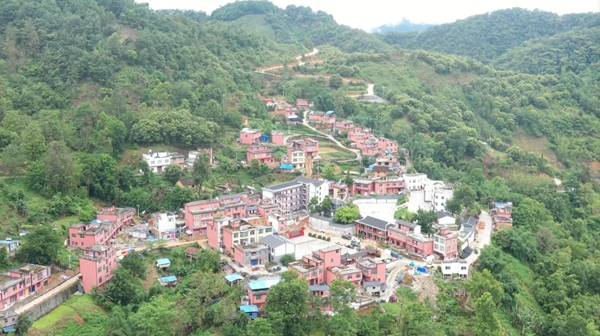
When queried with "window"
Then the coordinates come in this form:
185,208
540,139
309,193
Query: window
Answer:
447,268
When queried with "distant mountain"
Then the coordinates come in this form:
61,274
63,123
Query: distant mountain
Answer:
485,37
575,51
405,26
296,25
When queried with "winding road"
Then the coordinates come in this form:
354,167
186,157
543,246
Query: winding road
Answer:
299,62
333,139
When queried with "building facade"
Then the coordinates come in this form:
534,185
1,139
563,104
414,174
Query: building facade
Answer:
97,266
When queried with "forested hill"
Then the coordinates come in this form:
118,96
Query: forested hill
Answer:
297,25
485,37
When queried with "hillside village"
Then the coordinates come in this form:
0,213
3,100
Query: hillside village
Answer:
257,230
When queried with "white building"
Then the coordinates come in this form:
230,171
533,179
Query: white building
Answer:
316,188
445,220
455,268
159,161
278,247
164,225
415,181
437,193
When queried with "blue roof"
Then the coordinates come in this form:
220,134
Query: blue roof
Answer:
168,279
163,261
263,283
234,277
9,329
249,309
8,242
286,167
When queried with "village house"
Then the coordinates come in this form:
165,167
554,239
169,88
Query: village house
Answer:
338,191
262,154
324,121
445,220
325,266
455,268
408,237
249,136
414,182
257,291
301,153
159,161
194,155
11,246
278,138
199,214
251,255
166,226
318,189
502,215
387,185
97,266
278,246
373,228
303,104
445,244
20,283
225,234
438,193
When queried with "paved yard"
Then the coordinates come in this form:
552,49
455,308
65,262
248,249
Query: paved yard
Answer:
379,208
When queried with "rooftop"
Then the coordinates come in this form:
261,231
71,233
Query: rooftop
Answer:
168,279
273,241
374,223
283,186
249,309
234,277
264,283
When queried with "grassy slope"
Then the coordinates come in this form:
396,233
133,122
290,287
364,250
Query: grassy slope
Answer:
77,316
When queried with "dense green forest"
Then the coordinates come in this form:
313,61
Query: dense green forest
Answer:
499,104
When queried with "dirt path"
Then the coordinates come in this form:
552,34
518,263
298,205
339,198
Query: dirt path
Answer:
299,62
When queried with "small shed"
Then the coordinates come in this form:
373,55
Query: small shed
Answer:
163,263
234,279
250,310
168,281
192,253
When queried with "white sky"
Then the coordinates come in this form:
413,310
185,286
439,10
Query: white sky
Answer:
368,14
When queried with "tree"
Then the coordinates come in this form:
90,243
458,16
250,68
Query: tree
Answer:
151,317
135,264
486,321
347,214
404,214
335,82
326,206
260,327
56,172
286,259
463,197
173,174
484,282
342,294
23,325
3,258
201,171
426,219
287,307
125,288
313,205
99,174
41,246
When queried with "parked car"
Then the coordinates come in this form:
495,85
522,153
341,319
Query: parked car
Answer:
347,236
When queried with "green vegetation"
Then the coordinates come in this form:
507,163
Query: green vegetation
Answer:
87,86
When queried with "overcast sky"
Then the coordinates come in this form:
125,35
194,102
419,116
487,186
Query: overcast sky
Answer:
368,14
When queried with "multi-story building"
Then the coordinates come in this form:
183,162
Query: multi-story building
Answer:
199,214
408,237
262,154
324,121
387,185
257,291
373,228
318,189
445,243
20,283
238,232
249,136
415,181
301,153
165,225
325,266
289,197
302,104
97,266
108,223
438,193
251,255
455,268
278,138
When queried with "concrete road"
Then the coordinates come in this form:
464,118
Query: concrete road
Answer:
484,236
